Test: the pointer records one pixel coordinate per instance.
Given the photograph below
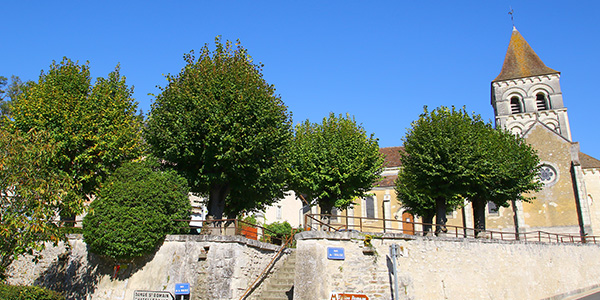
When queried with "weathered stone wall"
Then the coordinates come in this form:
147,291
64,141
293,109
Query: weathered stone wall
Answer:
231,264
443,268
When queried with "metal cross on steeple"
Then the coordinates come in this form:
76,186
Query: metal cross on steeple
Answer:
511,12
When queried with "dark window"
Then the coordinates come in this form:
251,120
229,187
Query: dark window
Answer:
515,105
334,213
492,208
541,101
370,207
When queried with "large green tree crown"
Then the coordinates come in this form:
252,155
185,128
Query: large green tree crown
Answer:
334,161
222,125
454,155
96,127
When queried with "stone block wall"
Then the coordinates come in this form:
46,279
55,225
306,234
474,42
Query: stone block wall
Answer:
443,268
229,266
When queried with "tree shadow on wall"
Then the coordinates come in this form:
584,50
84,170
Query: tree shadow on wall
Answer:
77,276
390,267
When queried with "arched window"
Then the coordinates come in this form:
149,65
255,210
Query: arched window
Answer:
515,105
541,101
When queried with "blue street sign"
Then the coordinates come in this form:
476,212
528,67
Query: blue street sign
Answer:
182,289
336,253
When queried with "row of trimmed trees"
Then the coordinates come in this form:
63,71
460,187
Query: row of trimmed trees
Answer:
217,129
451,157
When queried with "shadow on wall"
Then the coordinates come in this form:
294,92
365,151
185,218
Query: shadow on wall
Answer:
77,276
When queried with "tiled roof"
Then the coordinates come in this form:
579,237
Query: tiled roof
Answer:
391,156
588,162
387,181
521,61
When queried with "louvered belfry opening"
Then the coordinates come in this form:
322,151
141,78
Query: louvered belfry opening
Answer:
515,105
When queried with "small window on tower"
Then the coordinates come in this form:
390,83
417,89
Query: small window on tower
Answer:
541,101
515,105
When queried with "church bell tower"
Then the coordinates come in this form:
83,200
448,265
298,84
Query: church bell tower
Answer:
527,91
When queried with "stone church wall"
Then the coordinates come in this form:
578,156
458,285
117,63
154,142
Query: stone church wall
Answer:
230,266
442,268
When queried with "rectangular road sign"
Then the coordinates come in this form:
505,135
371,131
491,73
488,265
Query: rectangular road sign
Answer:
152,295
182,289
336,253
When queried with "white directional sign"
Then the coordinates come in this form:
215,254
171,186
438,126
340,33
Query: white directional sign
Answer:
152,295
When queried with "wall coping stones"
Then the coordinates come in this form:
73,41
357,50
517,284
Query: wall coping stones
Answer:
207,238
349,235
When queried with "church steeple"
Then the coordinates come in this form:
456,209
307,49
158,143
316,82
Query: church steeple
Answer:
521,61
527,91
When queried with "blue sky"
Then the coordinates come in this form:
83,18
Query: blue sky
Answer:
380,61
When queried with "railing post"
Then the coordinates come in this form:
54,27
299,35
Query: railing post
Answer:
361,229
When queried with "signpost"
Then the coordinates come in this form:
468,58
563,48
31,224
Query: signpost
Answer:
182,289
336,253
152,295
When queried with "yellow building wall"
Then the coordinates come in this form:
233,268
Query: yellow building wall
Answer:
555,205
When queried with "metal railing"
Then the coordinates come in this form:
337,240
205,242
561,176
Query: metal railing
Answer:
209,227
376,225
252,287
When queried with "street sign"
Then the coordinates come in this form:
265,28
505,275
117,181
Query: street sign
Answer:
182,289
152,295
346,296
336,253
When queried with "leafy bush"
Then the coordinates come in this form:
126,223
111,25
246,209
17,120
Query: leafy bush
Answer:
16,292
135,209
278,231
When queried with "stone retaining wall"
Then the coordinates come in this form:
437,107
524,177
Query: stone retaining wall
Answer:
231,264
443,268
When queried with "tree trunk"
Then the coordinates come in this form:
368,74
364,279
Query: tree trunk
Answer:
516,220
440,215
478,216
427,220
325,212
216,201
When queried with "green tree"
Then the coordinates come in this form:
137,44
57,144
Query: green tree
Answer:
95,126
334,162
137,206
506,168
451,156
30,194
433,174
9,92
221,125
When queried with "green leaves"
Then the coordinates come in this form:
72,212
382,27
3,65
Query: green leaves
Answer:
457,156
221,125
334,162
95,126
30,193
135,209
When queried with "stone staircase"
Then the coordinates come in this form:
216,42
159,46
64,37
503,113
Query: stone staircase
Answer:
280,284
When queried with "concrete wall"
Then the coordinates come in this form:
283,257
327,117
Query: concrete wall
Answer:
436,268
592,184
231,264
